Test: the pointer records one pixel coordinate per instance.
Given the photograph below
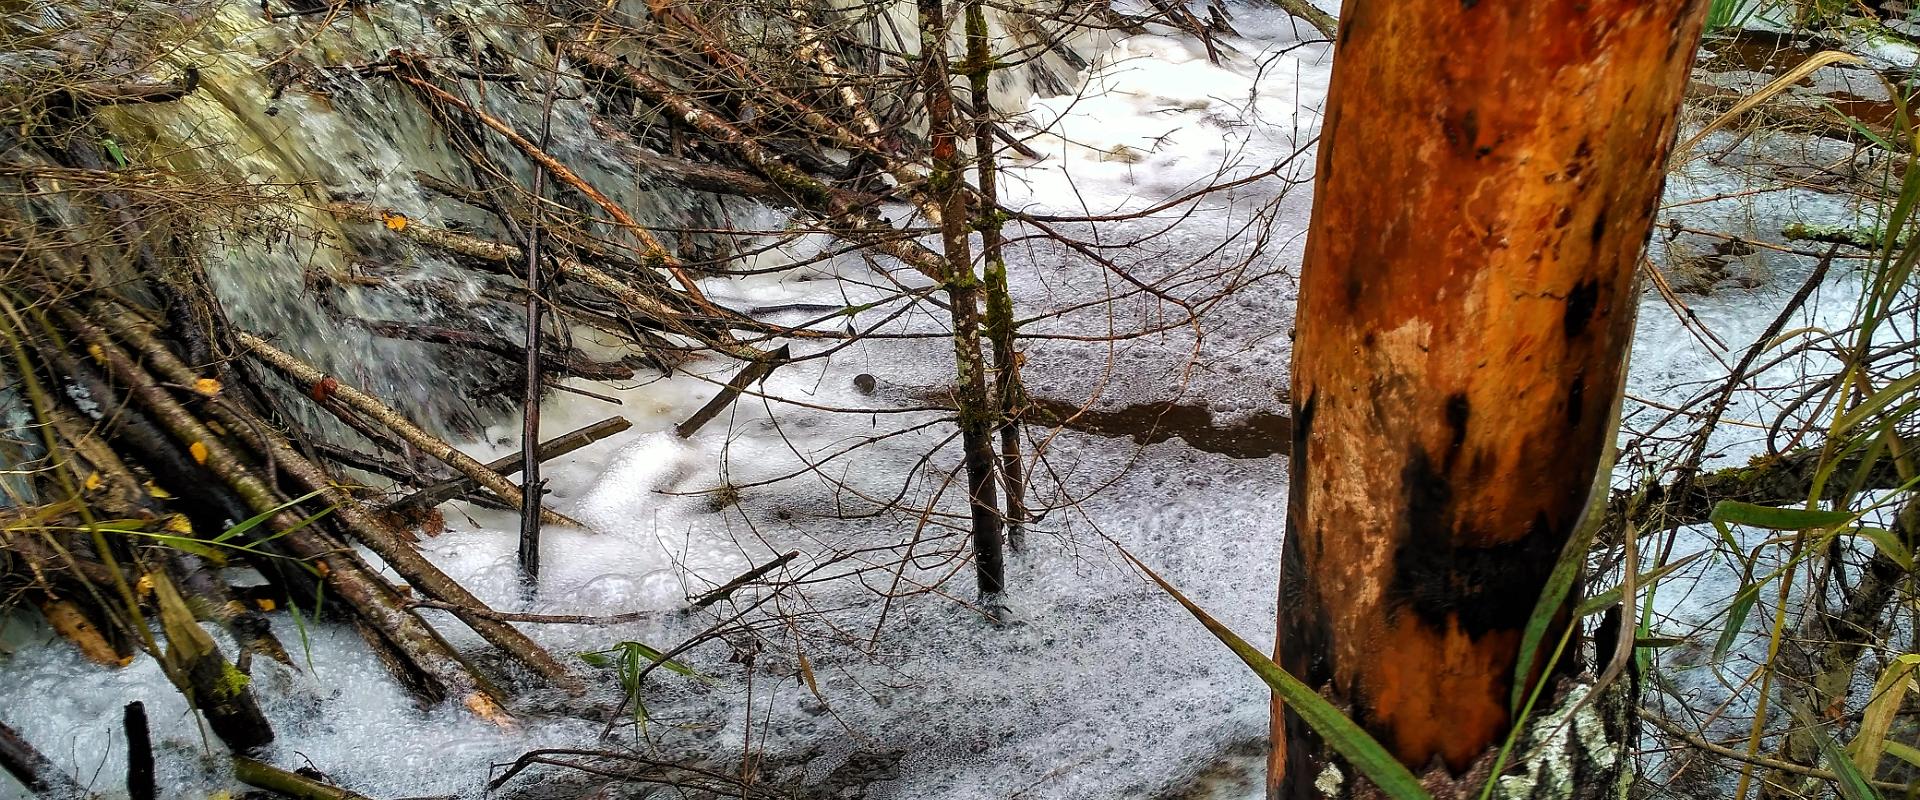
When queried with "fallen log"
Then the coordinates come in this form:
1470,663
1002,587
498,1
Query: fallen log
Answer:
753,372
110,93
435,669
216,689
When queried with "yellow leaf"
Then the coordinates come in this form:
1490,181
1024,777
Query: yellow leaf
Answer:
98,354
806,673
155,491
199,451
93,481
179,524
144,586
207,386
265,603
395,221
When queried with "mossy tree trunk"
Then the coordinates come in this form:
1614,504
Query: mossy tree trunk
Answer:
1487,180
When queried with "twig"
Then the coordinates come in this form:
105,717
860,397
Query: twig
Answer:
729,587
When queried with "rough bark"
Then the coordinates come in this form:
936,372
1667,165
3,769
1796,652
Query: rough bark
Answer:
1465,308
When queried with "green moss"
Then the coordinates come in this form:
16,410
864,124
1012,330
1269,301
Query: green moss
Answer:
233,682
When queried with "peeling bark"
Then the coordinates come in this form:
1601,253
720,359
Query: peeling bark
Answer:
1465,309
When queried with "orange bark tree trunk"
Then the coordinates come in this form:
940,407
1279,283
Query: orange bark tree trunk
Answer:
1488,175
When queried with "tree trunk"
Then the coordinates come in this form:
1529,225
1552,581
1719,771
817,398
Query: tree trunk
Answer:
978,416
1487,179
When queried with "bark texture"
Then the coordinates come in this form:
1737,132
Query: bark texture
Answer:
1487,178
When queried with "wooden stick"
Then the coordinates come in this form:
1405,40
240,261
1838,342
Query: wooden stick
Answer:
650,244
379,537
444,672
729,587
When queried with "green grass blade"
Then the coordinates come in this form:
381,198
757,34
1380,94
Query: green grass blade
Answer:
1340,733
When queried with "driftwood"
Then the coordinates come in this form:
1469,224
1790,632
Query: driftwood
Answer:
106,93
440,671
752,373
218,690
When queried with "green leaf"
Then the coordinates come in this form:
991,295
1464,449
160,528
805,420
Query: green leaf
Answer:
1776,519
638,651
1880,399
1903,752
259,519
1340,733
113,150
1736,619
1861,128
1886,542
